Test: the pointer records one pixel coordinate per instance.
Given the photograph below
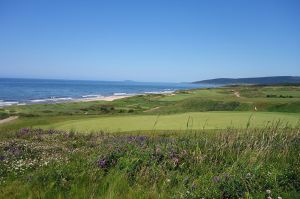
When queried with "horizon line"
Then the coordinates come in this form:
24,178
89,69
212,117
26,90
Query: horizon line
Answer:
128,80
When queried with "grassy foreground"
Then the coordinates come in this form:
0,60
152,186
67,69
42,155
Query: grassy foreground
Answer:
232,163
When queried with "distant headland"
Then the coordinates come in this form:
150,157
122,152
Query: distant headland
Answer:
253,80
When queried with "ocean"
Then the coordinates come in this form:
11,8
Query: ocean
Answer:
35,91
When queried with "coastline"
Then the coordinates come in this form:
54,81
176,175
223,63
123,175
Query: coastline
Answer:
18,92
85,98
102,98
109,98
66,100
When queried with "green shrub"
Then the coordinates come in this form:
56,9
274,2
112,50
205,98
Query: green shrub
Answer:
3,115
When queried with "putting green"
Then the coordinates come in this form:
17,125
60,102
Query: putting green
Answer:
195,120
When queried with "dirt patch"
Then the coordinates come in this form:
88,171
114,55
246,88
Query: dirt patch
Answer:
152,109
236,93
9,119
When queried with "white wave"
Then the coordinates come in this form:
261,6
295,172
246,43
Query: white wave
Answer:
2,103
168,91
52,99
159,92
38,100
61,99
152,92
89,96
120,94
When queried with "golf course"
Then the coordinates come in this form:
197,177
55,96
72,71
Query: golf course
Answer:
198,109
183,121
223,142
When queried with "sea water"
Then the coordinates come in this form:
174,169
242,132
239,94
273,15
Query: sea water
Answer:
30,91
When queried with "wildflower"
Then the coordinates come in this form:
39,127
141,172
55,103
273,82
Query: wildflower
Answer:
173,154
268,191
193,186
103,163
24,131
226,176
141,138
279,197
248,175
2,158
51,131
216,179
186,181
176,161
157,150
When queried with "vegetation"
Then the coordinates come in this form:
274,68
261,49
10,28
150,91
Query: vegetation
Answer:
3,115
183,121
256,80
231,163
173,110
229,142
214,99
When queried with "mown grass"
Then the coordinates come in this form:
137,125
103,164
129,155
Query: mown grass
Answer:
230,163
184,121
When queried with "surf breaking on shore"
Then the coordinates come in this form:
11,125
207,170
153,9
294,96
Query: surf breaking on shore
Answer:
84,98
62,100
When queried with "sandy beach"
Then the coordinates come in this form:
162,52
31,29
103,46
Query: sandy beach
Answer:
103,98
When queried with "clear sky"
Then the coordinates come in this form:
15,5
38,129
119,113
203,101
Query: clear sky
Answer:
149,40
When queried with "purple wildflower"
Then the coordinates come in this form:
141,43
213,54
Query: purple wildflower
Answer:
103,163
23,132
2,157
176,161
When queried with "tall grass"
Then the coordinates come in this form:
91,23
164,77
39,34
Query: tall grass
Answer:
231,163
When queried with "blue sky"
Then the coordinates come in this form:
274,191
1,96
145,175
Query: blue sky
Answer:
149,40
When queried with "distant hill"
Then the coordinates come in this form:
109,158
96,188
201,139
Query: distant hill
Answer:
254,80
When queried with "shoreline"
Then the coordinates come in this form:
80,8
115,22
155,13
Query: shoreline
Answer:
102,98
59,101
108,98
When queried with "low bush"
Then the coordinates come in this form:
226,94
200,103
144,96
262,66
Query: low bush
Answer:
3,115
